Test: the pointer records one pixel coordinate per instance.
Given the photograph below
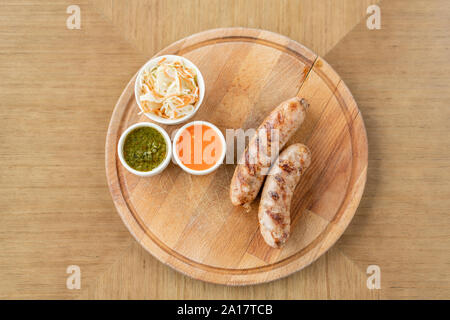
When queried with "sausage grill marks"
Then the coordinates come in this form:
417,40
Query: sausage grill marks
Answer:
257,158
283,177
274,212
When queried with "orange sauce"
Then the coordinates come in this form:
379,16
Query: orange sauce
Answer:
199,147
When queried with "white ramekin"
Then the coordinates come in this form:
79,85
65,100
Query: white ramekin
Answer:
197,172
163,164
200,82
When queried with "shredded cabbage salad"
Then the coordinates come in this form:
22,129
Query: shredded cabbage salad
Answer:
169,89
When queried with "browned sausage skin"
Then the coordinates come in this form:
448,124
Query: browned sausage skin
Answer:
275,206
257,157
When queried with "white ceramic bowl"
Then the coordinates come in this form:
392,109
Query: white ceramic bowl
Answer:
163,164
198,172
200,82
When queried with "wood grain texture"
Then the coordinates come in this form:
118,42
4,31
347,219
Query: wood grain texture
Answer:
145,276
188,222
58,211
403,223
300,20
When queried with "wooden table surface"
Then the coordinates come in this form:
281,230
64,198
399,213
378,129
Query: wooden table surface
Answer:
58,88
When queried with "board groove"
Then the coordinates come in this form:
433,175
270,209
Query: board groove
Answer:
304,59
249,246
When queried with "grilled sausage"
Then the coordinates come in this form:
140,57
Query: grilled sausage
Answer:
255,162
274,208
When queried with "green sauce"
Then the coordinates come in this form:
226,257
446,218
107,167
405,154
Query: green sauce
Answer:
144,149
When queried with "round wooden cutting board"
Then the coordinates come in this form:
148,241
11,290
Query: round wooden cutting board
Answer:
188,222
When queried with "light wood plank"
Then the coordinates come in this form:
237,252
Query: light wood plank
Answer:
398,82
